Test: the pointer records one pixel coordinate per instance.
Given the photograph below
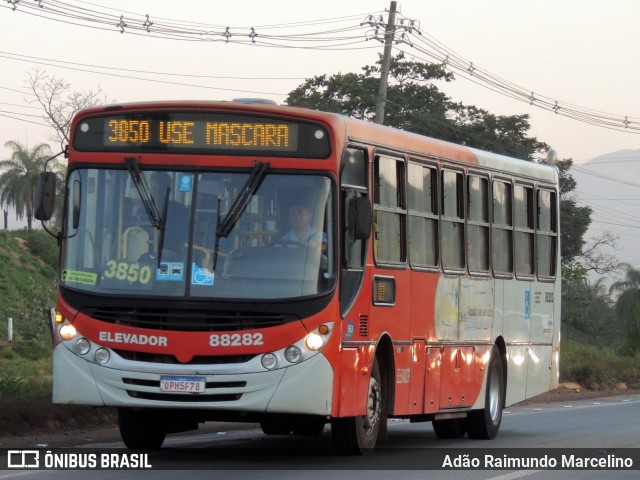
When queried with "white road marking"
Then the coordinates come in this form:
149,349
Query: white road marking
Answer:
514,475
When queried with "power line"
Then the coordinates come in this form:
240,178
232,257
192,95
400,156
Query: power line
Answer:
149,26
33,59
438,53
336,37
153,80
605,177
617,224
23,119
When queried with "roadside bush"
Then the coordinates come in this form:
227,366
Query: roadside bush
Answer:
10,386
598,368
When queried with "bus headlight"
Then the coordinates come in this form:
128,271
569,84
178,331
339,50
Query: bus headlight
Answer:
314,341
269,361
293,354
67,331
101,356
82,346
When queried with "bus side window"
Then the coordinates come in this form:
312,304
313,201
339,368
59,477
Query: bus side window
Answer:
547,234
478,223
452,223
523,210
389,210
502,254
422,197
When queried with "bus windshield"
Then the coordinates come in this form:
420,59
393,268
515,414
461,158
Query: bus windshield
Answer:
160,234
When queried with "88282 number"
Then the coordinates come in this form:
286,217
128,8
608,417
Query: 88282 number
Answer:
235,340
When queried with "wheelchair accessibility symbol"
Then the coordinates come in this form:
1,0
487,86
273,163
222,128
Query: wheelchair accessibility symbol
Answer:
201,276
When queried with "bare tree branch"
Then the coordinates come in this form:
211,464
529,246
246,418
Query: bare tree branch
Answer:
595,259
59,103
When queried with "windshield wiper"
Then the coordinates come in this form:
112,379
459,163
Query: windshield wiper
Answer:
239,205
158,220
163,223
145,194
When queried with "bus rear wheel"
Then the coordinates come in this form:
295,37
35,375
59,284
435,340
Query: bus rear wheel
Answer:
484,424
358,435
142,429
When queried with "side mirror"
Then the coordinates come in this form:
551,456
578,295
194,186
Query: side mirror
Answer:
45,196
360,213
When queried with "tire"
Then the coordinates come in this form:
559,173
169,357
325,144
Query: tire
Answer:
484,424
142,429
309,426
358,435
275,426
450,428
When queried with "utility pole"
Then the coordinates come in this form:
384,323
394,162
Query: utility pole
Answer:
389,35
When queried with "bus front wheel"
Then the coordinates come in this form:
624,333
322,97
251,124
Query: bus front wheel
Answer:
484,424
141,429
358,435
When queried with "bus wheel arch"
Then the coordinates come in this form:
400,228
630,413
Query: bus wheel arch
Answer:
386,363
485,423
358,435
502,347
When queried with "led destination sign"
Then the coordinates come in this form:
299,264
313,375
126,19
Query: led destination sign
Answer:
201,133
279,136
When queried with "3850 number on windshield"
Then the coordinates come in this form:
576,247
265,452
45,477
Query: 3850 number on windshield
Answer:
130,272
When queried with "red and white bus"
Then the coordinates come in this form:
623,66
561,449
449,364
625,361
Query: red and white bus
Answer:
262,263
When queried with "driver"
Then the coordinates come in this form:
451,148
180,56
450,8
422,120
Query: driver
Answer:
302,231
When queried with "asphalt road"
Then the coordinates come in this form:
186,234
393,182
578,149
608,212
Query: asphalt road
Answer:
589,429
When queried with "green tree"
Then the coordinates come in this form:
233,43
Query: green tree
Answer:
415,104
628,307
574,219
19,176
587,315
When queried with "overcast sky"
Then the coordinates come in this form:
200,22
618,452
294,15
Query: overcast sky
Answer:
581,53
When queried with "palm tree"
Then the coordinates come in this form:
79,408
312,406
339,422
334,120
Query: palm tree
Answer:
628,306
19,176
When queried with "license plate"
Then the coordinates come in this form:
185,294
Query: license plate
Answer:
182,384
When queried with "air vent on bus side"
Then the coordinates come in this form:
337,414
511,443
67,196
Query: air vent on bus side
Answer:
363,327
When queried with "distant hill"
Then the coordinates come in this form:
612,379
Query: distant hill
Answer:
610,185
